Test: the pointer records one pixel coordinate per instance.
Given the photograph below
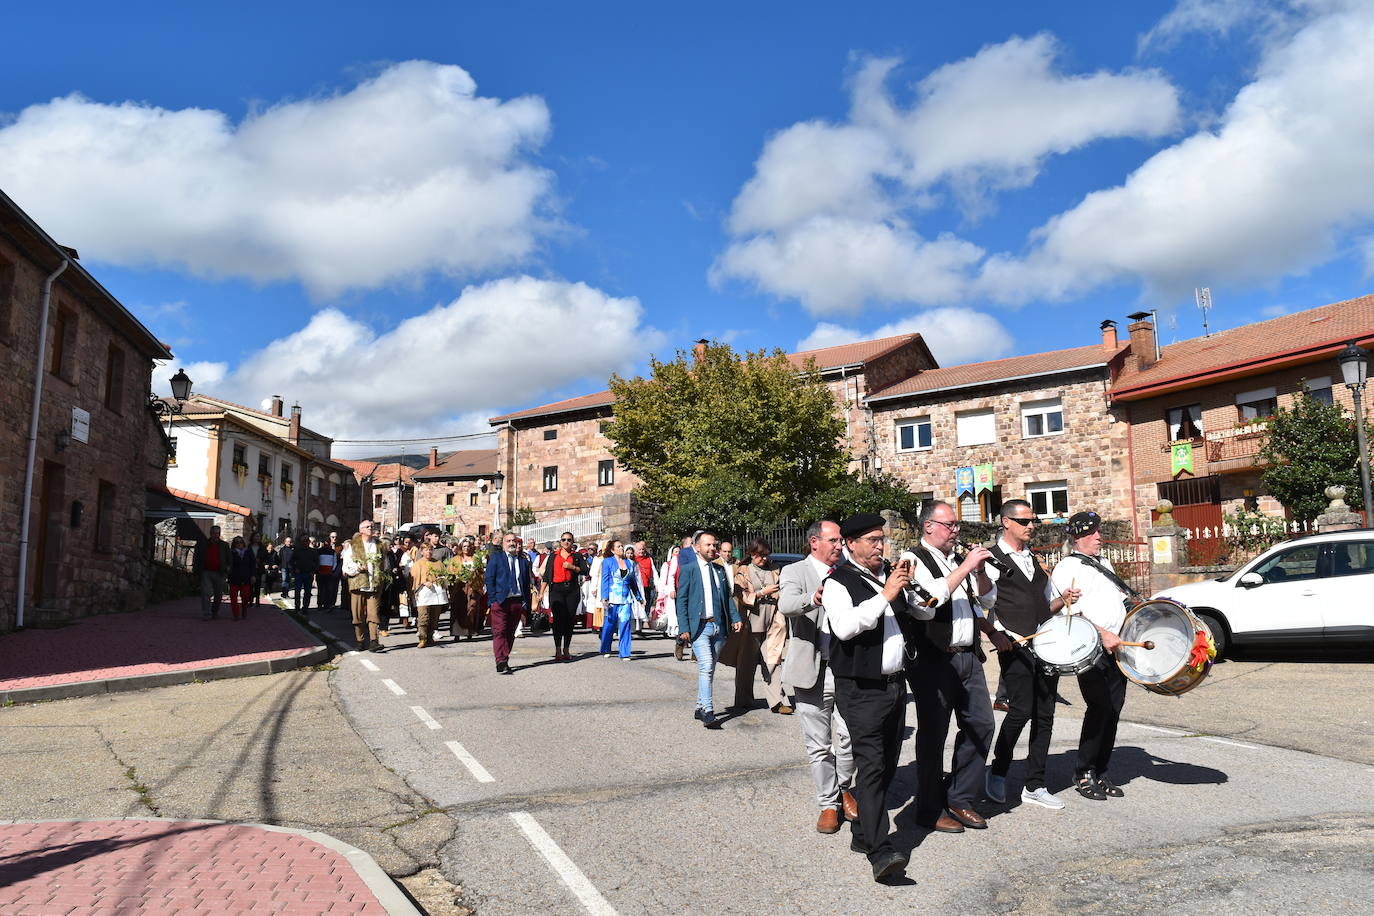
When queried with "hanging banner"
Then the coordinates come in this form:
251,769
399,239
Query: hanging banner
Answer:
983,477
1181,458
963,481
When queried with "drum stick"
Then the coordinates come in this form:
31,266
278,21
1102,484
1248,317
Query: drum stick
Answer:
1021,639
1147,644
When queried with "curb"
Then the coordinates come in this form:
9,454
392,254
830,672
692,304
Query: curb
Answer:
300,659
387,892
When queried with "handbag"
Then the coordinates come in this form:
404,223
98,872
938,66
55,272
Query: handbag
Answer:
740,648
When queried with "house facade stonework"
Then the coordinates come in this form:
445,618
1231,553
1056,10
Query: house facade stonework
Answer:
460,492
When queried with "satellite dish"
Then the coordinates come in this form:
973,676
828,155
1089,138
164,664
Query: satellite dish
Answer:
266,405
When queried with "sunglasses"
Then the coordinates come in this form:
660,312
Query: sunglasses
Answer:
1024,522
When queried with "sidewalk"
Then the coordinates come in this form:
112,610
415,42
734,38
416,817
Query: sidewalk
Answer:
156,866
161,645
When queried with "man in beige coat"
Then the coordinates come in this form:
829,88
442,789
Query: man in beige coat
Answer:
366,564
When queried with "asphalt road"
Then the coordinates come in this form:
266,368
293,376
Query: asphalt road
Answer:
588,787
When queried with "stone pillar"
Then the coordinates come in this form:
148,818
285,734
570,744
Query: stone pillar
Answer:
901,535
1168,548
1338,516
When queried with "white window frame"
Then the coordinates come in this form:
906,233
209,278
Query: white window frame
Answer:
915,424
1042,409
970,415
1183,409
1046,490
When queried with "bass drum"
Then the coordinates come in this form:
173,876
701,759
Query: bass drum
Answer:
1183,648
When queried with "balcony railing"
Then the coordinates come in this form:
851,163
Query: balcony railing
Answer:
1240,443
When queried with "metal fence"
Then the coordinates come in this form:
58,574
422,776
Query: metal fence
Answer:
171,550
1130,560
787,537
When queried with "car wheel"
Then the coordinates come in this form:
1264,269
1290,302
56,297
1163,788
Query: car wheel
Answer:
1220,636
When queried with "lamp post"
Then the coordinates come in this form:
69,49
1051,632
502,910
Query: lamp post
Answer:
181,391
1355,368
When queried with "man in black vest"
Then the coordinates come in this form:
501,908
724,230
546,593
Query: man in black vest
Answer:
947,674
1024,602
865,610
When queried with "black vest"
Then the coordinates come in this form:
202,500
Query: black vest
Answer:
1021,604
862,655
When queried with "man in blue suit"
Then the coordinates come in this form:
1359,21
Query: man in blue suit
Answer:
509,582
705,607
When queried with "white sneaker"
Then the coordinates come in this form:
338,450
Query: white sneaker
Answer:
995,788
1041,797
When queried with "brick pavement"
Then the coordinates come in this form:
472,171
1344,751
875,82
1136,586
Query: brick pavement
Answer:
164,638
169,866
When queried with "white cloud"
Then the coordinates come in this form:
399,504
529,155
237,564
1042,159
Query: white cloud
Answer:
405,173
1268,193
829,215
1212,17
498,345
954,335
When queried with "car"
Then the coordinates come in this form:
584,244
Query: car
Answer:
418,530
1316,590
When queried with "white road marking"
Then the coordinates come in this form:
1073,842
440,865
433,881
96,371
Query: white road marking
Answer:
394,687
425,717
469,761
1156,728
367,663
563,866
1252,747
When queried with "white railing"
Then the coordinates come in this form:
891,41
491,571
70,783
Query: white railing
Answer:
1227,530
582,526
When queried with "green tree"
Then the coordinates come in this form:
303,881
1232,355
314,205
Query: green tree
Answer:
725,504
1308,447
855,493
754,419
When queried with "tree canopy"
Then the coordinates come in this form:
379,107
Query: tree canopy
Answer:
1308,447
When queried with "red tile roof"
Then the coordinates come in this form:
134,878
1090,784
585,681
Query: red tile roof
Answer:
851,354
380,473
207,501
999,370
477,462
1251,349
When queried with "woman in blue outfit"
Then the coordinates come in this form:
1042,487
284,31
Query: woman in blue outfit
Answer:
619,586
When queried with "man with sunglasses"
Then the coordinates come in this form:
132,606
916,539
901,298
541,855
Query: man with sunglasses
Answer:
564,570
1025,600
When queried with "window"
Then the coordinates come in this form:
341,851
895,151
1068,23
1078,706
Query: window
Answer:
240,455
448,499
1042,418
1319,388
601,426
314,486
1352,558
63,363
286,473
333,491
105,518
605,472
1049,500
981,508
8,273
975,427
264,465
1184,422
914,435
377,501
1291,565
114,379
472,499
550,434
550,478
1257,404
481,531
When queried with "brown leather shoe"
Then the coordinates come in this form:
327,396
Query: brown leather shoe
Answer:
851,807
946,824
783,709
968,817
829,821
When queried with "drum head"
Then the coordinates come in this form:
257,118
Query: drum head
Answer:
1170,627
1064,640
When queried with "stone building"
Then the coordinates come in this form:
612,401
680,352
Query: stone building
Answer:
86,373
461,492
1038,427
386,489
555,458
1196,410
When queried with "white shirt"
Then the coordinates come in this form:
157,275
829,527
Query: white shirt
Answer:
707,588
1101,602
962,610
847,619
821,572
1025,560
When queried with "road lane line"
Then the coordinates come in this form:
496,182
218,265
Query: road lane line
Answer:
1252,747
1156,728
469,761
393,687
425,717
367,663
563,866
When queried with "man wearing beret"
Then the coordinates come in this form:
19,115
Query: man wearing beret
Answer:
865,611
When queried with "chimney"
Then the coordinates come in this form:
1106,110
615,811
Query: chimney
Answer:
699,350
1109,335
1142,333
294,435
434,456
277,404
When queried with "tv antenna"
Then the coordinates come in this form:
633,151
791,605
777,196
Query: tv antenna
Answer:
1203,296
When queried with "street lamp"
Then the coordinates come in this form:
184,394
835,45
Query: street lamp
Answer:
181,385
1355,369
181,390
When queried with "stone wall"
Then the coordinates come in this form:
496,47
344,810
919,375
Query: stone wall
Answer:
577,448
432,505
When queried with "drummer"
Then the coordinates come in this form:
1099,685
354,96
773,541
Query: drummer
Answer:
1103,603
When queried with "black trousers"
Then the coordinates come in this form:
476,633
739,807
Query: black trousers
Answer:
564,598
1104,693
946,682
326,590
875,711
1030,698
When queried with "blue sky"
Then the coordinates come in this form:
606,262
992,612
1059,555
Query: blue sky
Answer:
507,202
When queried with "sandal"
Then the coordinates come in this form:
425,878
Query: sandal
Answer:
1087,787
1107,787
